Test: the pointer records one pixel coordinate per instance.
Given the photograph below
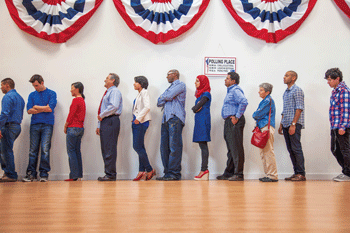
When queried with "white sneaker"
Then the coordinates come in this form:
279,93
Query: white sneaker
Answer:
341,178
44,179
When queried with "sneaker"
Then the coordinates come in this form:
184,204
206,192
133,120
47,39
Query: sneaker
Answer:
341,178
5,178
28,178
43,179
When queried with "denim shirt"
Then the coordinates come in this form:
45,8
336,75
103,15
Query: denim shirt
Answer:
12,106
235,102
112,103
43,98
261,115
173,101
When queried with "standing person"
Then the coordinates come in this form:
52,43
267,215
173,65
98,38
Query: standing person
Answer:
109,125
202,122
261,116
140,123
41,104
173,103
234,106
291,124
12,106
339,117
74,128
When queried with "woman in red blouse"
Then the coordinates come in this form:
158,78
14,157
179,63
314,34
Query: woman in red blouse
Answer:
74,128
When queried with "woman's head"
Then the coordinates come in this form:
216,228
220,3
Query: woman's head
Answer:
77,88
140,82
265,89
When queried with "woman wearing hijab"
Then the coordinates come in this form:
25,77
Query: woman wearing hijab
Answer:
202,125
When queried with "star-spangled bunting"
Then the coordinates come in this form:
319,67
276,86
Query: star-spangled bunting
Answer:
160,20
344,5
52,20
270,20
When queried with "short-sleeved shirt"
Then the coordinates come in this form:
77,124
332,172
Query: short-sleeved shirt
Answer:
293,99
43,98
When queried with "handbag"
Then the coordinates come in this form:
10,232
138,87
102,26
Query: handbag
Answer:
259,139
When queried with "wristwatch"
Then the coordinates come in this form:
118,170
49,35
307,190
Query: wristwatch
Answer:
293,123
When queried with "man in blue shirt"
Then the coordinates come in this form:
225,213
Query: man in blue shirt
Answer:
291,124
41,104
12,106
232,112
172,102
109,125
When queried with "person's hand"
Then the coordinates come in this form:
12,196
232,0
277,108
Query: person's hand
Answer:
234,120
65,129
291,130
199,109
341,132
0,135
98,131
280,130
136,122
99,118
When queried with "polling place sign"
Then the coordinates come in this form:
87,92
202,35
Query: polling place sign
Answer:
219,66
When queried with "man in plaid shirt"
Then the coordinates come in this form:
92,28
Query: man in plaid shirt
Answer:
291,124
339,111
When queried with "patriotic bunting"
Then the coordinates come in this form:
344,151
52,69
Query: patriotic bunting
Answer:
160,20
344,5
270,20
53,20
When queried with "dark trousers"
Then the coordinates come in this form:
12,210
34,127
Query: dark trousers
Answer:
340,146
109,131
233,135
138,132
205,155
294,148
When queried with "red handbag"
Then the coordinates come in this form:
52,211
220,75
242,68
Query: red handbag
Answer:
259,139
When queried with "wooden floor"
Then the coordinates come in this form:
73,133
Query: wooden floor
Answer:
175,206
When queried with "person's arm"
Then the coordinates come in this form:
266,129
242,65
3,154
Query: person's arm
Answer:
242,102
263,110
299,105
42,108
146,106
344,99
173,91
112,105
30,105
72,111
200,104
280,129
6,104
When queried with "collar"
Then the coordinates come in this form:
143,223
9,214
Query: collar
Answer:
111,88
340,86
291,88
231,87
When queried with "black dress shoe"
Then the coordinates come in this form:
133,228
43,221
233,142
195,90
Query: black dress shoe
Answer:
160,178
170,179
236,178
222,177
267,179
106,178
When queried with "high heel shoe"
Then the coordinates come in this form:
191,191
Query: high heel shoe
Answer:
140,176
204,176
71,179
150,174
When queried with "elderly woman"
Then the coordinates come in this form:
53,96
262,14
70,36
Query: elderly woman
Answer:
140,123
261,116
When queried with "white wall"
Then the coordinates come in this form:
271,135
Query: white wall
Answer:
106,44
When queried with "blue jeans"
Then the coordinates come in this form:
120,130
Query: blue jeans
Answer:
40,137
9,134
171,147
138,132
294,149
73,142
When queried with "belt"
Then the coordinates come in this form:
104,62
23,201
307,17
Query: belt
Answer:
113,115
11,123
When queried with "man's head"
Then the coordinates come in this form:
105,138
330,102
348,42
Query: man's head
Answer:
7,84
37,82
333,76
112,80
231,78
173,75
290,77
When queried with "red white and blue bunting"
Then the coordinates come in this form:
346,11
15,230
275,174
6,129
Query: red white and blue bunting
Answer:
160,20
52,20
344,5
270,20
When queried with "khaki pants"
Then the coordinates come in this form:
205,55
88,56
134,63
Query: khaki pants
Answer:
268,156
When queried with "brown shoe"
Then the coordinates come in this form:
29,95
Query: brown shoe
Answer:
5,178
236,178
298,177
290,178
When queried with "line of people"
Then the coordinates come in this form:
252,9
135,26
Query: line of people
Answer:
42,102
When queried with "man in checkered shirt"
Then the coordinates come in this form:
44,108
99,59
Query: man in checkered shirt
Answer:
340,121
291,124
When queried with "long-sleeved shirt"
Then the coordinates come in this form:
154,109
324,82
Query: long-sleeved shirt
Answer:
293,99
173,101
339,110
76,114
261,115
43,98
12,106
235,102
112,103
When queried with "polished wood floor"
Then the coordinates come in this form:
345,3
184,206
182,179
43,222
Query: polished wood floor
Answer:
175,206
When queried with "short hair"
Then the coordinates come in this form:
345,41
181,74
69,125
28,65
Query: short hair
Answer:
36,77
142,80
234,76
9,81
116,79
176,72
293,73
334,73
267,87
